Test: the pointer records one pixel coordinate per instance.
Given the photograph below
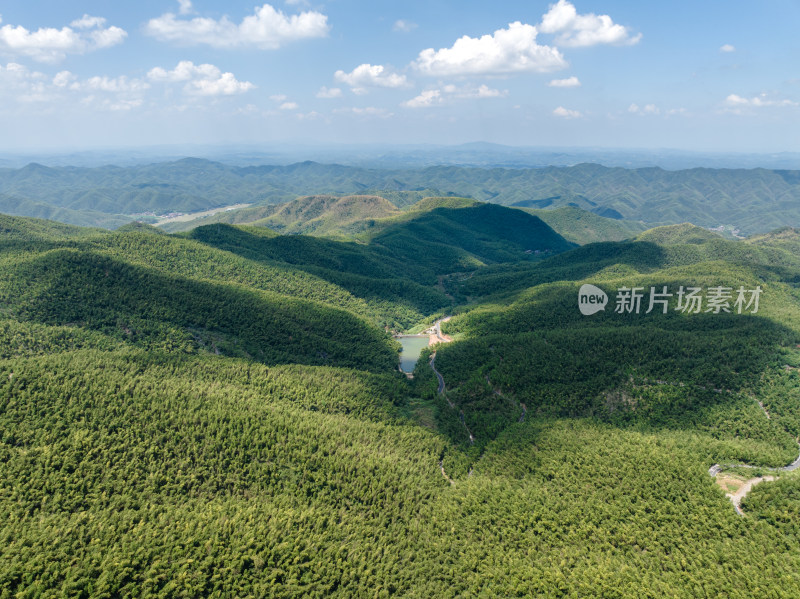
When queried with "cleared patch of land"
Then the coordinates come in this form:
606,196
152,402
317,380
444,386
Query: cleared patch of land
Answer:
182,218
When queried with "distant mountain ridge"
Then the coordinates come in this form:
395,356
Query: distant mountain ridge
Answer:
752,201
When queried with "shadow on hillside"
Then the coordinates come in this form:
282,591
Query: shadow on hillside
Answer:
158,311
660,371
488,233
369,273
627,257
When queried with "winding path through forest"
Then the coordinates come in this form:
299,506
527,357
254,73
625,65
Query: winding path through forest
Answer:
497,392
738,496
437,331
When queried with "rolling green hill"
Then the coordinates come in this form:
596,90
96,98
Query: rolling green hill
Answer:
219,412
328,215
431,238
582,226
32,229
678,234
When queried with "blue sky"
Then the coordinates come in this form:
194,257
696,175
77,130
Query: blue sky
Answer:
714,75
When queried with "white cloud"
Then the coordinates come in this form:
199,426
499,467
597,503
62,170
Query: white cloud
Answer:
568,82
48,44
267,28
63,79
727,48
88,22
225,85
738,104
279,97
58,91
648,109
25,85
404,26
114,85
483,91
185,7
95,103
122,104
248,109
184,71
105,38
366,111
436,97
288,106
201,80
511,50
576,30
333,92
567,113
428,98
369,75
372,111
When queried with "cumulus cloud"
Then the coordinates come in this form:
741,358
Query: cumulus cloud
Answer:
267,28
436,97
511,50
739,104
96,93
482,91
566,113
308,116
727,48
574,30
25,85
107,84
648,109
201,80
63,79
48,44
114,105
404,26
369,75
568,82
283,102
372,111
366,111
225,85
333,92
428,98
185,7
88,22
103,92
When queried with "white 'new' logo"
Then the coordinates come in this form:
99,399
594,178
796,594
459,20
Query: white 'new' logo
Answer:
591,299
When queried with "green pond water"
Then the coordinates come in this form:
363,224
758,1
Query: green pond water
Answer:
412,346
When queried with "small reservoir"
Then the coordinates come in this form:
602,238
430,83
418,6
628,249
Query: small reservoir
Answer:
412,346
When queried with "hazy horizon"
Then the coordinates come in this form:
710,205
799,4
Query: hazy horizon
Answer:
478,153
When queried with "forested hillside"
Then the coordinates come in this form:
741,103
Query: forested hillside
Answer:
750,200
328,215
219,412
582,226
